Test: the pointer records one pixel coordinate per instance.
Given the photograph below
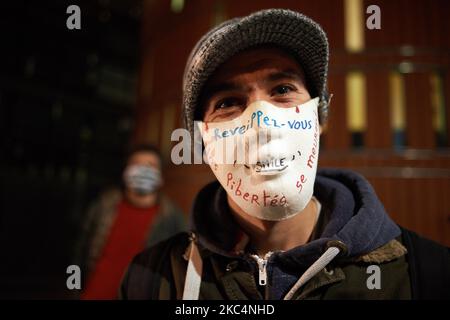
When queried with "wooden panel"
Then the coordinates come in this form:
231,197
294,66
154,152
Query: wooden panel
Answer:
444,204
419,129
446,89
425,214
414,23
337,135
379,132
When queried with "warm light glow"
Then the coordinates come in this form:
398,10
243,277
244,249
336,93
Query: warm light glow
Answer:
354,25
177,5
397,101
356,101
437,102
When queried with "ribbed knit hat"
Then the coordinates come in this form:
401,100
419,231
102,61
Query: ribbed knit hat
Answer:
286,29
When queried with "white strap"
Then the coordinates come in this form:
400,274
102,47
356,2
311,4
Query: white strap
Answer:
315,268
193,274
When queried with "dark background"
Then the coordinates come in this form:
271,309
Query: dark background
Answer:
66,107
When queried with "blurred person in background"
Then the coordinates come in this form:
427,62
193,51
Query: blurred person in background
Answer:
120,223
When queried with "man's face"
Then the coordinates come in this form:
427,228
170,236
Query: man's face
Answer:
270,159
267,74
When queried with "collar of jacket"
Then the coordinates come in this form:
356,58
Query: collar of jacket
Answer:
386,253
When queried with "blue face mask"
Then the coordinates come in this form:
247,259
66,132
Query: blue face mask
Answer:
142,179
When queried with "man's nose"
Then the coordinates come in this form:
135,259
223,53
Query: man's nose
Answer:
257,95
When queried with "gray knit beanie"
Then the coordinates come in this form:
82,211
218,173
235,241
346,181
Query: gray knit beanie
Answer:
286,29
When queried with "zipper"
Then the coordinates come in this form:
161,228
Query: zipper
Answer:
262,267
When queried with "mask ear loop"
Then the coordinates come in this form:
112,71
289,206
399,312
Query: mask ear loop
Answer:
329,99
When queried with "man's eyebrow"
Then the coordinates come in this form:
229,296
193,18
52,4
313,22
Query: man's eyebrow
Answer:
275,76
223,86
285,74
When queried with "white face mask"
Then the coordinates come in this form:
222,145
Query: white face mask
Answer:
142,179
266,158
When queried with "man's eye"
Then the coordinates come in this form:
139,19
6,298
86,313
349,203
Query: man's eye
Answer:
282,90
226,103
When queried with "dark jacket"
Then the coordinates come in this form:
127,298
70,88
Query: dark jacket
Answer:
351,216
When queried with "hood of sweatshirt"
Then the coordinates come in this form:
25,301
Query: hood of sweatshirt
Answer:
352,212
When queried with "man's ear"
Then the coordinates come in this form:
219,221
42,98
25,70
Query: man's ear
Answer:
322,128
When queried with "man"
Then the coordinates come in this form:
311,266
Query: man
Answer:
271,228
123,222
